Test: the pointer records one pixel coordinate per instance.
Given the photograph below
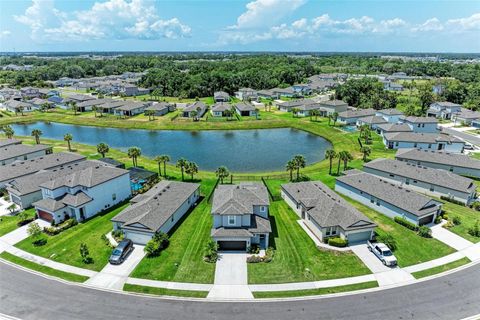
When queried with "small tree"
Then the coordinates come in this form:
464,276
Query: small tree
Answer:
23,216
12,208
222,173
290,167
299,162
134,153
8,131
330,154
35,232
334,118
85,254
211,251
425,232
103,148
475,230
68,137
366,152
37,133
389,241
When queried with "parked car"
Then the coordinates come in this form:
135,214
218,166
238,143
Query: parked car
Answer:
468,146
121,252
383,253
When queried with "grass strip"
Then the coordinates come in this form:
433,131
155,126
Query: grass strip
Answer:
164,291
440,269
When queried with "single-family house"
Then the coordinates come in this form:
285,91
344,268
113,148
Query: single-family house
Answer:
267,94
245,109
88,105
392,128
83,194
392,86
465,116
421,124
285,92
38,103
19,106
329,107
246,94
325,213
157,210
131,108
429,141
161,108
391,115
287,106
351,116
220,109
29,92
240,216
438,89
14,152
196,109
221,96
371,121
454,162
443,109
78,98
302,89
110,106
435,182
388,198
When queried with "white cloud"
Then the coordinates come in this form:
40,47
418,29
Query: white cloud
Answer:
432,24
471,23
112,19
5,33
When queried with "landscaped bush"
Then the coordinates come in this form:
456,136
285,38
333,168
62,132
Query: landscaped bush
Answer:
406,223
211,251
106,241
389,241
24,222
445,216
40,242
475,230
337,242
476,206
438,219
460,203
85,254
118,235
67,224
457,220
253,249
254,259
269,254
425,232
157,244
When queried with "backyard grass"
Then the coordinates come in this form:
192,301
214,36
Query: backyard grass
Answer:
43,269
468,219
315,292
411,248
183,261
65,247
164,292
297,258
9,223
440,269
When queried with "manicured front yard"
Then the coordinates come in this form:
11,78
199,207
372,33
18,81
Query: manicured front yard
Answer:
297,258
411,248
65,247
183,261
43,269
9,223
314,292
164,292
439,269
468,219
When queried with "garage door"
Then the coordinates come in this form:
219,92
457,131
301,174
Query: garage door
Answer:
45,216
232,245
138,238
359,237
425,220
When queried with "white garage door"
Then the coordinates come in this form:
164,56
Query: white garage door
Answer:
359,237
138,238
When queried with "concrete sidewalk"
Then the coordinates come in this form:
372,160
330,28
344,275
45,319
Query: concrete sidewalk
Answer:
449,238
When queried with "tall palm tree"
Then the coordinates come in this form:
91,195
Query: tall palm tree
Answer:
8,130
341,156
314,113
150,114
74,107
158,160
222,173
290,167
44,107
334,118
19,109
365,132
134,153
95,109
37,133
299,162
165,158
191,169
294,112
347,156
68,137
330,154
103,148
366,152
182,163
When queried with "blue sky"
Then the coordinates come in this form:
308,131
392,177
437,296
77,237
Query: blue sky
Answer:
255,25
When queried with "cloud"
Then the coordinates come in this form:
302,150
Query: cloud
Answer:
112,19
432,24
471,23
5,33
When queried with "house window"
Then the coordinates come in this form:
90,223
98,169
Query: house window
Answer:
415,145
328,231
392,175
172,218
263,209
231,220
432,188
451,169
372,200
429,146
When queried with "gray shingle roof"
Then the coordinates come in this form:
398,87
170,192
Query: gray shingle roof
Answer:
221,107
357,113
373,120
390,112
239,199
231,232
395,127
436,177
468,114
397,196
412,119
242,106
159,106
153,208
221,94
131,106
9,142
194,106
49,204
446,104
76,200
325,206
421,137
333,103
18,150
440,157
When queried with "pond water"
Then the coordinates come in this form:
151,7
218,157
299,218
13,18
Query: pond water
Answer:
239,150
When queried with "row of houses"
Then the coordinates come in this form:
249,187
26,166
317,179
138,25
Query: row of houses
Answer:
455,112
304,107
12,150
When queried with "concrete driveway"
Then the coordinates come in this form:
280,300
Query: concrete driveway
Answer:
368,258
114,276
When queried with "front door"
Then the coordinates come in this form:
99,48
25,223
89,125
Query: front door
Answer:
82,214
303,213
441,146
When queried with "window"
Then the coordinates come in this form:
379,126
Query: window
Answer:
114,196
372,200
328,231
231,220
263,209
391,175
378,202
415,145
429,146
451,169
172,217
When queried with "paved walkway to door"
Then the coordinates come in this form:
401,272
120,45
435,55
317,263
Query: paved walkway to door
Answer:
449,238
231,277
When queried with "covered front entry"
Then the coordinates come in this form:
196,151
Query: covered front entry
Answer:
45,215
232,245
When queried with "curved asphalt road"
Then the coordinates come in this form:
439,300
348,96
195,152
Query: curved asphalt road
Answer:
29,296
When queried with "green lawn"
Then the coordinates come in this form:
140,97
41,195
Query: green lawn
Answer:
297,258
411,248
183,261
468,218
439,269
315,292
9,223
65,247
43,269
164,292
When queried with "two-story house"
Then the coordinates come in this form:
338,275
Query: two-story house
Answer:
240,216
443,109
421,124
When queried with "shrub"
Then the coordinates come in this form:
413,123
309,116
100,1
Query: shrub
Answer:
456,220
40,242
404,222
34,231
158,242
106,241
254,249
337,242
24,222
452,200
438,219
425,232
254,259
445,216
67,224
211,251
269,254
475,230
118,235
389,241
476,206
85,254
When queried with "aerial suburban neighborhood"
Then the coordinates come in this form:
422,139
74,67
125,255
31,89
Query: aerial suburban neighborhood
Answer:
319,165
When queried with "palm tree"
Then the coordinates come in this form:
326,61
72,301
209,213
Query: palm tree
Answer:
341,156
366,152
294,112
95,109
19,109
8,131
164,159
134,153
103,148
191,169
158,160
290,167
334,118
37,133
314,113
257,111
330,154
182,163
365,132
44,107
345,157
73,105
269,103
150,114
299,162
222,173
194,115
68,137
